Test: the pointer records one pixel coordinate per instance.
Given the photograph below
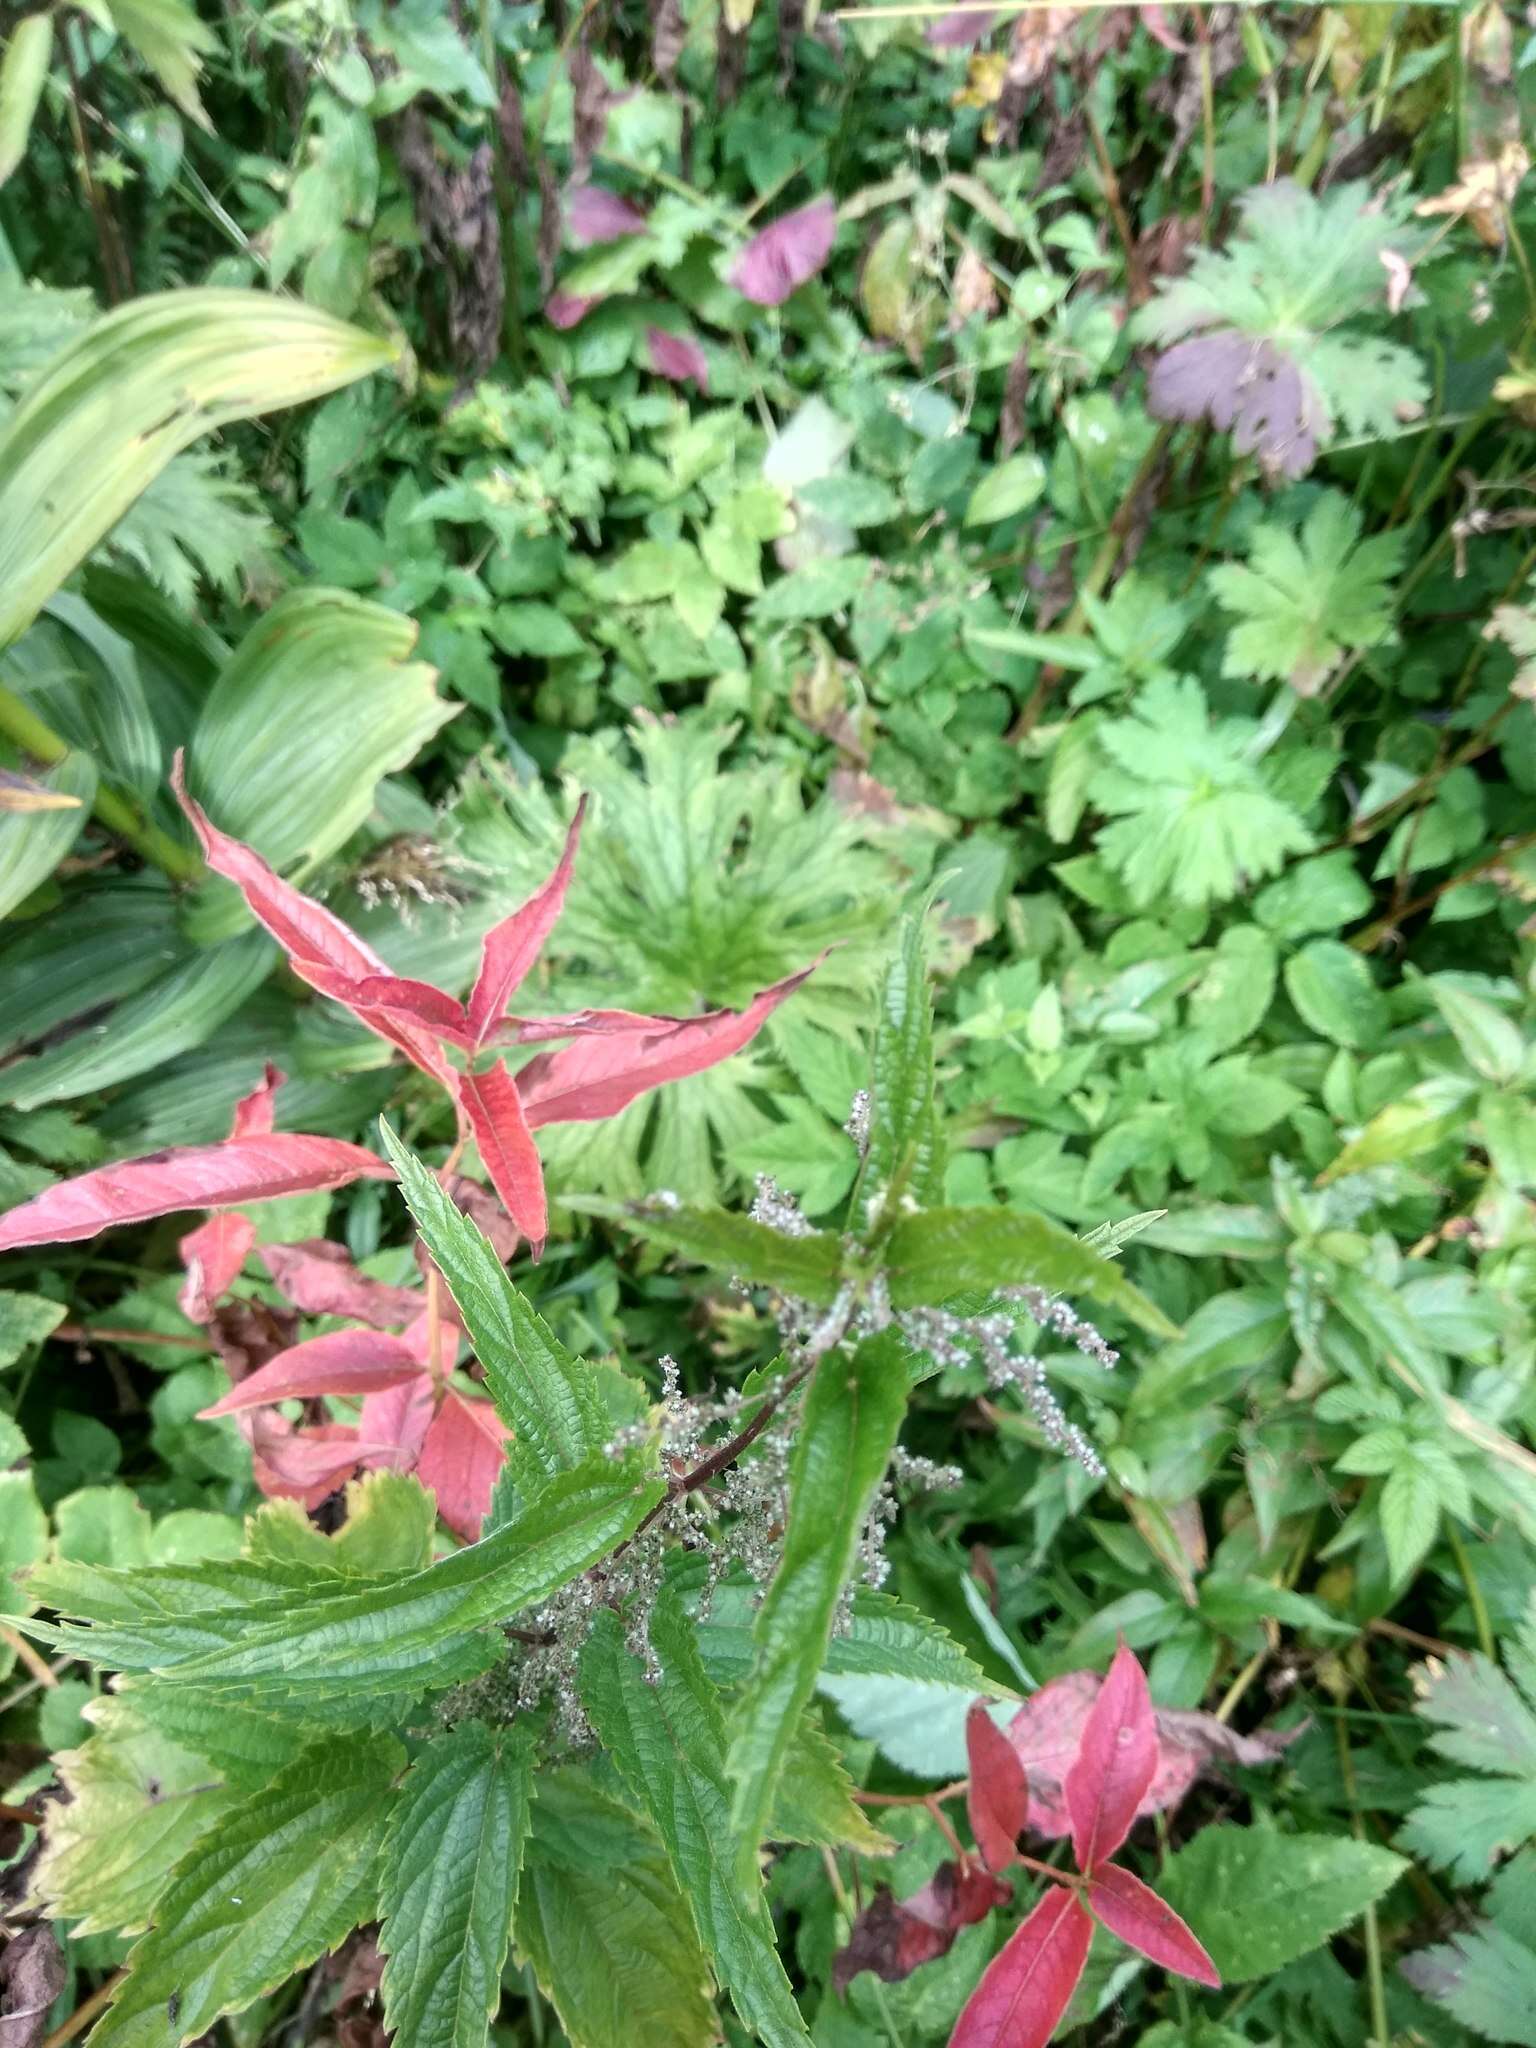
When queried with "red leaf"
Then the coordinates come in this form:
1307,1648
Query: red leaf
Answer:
1029,1983
677,356
997,1799
320,1278
511,947
345,1362
569,309
395,999
212,1254
392,1426
193,1177
494,1111
603,1073
463,1453
255,1113
311,935
785,255
594,214
960,29
1135,1912
1155,22
893,1937
1115,1764
299,1464
482,1208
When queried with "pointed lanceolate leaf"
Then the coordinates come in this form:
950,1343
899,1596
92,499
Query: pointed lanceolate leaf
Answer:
212,1256
847,1432
461,1460
943,1252
493,1109
1029,1983
905,1154
1115,1764
547,1397
786,254
806,1266
668,1741
281,1881
344,1362
311,935
510,948
997,1798
193,1177
1135,1912
448,1884
319,1278
396,998
601,1074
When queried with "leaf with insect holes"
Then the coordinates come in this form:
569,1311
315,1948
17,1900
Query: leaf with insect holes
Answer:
997,1796
1029,1983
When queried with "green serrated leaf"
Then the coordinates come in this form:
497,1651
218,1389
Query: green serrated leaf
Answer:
668,1740
806,1266
944,1252
448,1886
847,1432
25,1320
1491,1043
1258,1899
906,1150
283,1879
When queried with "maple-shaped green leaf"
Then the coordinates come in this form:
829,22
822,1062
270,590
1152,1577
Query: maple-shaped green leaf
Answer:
282,1880
1195,816
1305,598
1486,1719
1256,336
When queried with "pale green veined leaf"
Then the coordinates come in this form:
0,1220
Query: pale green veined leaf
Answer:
32,843
172,42
23,74
135,389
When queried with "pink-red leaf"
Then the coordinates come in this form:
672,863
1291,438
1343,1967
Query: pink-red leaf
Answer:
594,214
785,255
392,1426
678,357
299,1464
1135,1912
603,1072
312,936
569,309
494,1112
960,29
345,1362
212,1255
320,1278
1115,1764
193,1177
511,947
394,999
997,1798
464,1450
1029,1983
255,1113
1155,21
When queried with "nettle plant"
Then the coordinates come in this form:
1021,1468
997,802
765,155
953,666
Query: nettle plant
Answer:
572,1737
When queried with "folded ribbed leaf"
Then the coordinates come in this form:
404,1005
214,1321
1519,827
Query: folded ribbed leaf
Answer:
282,1880
668,1740
847,1432
448,1886
117,404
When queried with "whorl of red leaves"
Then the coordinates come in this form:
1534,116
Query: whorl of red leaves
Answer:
1106,1779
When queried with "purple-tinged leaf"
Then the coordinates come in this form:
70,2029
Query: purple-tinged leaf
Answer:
893,1937
785,255
568,309
677,356
961,29
594,214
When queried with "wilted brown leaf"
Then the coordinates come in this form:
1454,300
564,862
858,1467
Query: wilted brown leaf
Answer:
893,1938
21,793
32,1974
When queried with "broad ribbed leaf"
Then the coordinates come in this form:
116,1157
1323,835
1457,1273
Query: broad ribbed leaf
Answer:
425,1628
320,699
601,1920
847,1432
1029,1983
32,843
448,1884
143,383
668,1740
546,1396
943,1252
195,1177
906,1154
1115,1764
283,1879
806,1266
